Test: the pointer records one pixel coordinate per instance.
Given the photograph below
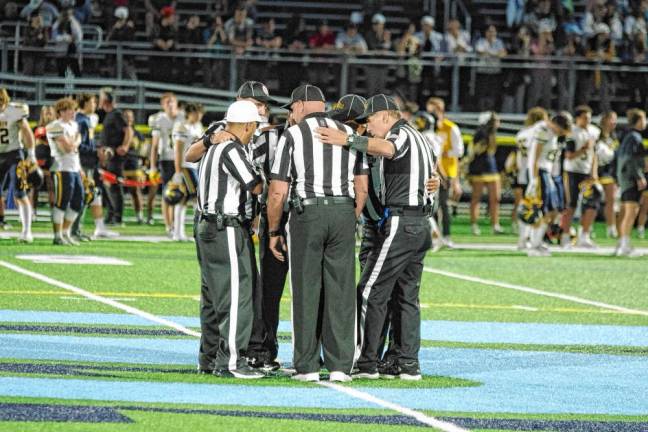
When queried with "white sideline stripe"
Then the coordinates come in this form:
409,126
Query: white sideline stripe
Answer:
100,299
446,427
538,292
430,421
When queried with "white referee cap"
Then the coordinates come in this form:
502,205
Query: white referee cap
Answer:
242,112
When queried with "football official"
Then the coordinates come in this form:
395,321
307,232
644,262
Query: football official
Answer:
325,183
225,250
404,234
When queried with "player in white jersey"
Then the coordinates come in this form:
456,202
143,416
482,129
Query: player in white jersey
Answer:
544,150
606,154
580,167
522,143
64,140
184,134
162,154
14,132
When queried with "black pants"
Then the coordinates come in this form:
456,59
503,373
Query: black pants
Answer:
116,210
444,192
267,297
395,264
322,263
227,270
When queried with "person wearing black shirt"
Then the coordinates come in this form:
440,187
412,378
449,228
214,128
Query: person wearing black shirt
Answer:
37,37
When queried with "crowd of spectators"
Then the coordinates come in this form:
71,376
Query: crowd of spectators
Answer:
609,30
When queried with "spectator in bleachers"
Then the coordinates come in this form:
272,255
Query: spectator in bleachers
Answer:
295,37
250,7
123,31
541,12
154,13
594,15
542,75
47,10
456,40
240,30
10,13
601,49
431,42
491,49
213,69
324,39
68,36
570,47
191,34
350,41
267,37
379,41
635,22
36,36
409,74
165,37
613,20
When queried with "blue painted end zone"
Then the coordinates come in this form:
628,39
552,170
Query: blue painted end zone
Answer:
514,381
449,331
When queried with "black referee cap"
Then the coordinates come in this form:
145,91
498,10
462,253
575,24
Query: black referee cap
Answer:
377,103
255,90
306,93
349,107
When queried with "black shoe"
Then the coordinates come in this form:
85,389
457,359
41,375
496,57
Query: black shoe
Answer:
366,373
244,372
261,360
410,371
388,369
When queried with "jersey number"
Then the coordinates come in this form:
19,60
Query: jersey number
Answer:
4,137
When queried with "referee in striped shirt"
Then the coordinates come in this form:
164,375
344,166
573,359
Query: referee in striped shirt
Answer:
325,181
224,247
404,236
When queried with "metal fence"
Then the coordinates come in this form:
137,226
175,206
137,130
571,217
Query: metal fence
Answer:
467,82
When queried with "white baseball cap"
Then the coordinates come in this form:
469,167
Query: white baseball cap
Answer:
378,19
242,112
121,12
427,20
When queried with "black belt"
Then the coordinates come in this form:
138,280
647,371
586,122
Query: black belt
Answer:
408,210
228,221
327,201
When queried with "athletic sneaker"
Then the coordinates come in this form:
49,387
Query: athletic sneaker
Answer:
410,371
25,238
447,242
339,377
60,241
5,225
370,374
263,363
150,221
388,369
565,241
475,230
244,372
81,237
612,232
307,377
204,371
586,242
104,233
628,252
71,240
497,229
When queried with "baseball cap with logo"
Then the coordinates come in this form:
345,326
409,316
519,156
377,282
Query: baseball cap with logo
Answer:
377,103
255,90
242,112
306,93
349,107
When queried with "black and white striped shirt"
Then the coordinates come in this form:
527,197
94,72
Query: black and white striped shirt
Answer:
225,176
316,169
405,175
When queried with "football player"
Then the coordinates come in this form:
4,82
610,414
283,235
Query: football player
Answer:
606,146
580,166
162,124
64,140
16,135
522,141
184,134
544,150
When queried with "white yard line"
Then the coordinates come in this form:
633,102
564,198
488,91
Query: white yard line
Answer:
535,291
357,394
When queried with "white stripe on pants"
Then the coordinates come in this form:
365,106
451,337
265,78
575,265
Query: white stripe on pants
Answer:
234,297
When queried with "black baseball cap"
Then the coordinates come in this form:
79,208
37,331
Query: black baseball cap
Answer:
306,93
377,103
349,107
255,90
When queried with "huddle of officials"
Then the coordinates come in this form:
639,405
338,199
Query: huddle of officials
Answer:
309,181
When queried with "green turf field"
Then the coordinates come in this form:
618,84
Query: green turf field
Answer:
163,279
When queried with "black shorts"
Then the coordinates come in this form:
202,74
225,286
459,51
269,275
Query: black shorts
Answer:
483,168
89,161
68,190
8,162
573,186
631,195
167,169
607,173
44,156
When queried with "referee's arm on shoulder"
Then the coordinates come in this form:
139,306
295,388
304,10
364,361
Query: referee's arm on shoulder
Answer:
375,146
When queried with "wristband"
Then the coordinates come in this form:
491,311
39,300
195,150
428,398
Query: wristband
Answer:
206,141
274,233
358,143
